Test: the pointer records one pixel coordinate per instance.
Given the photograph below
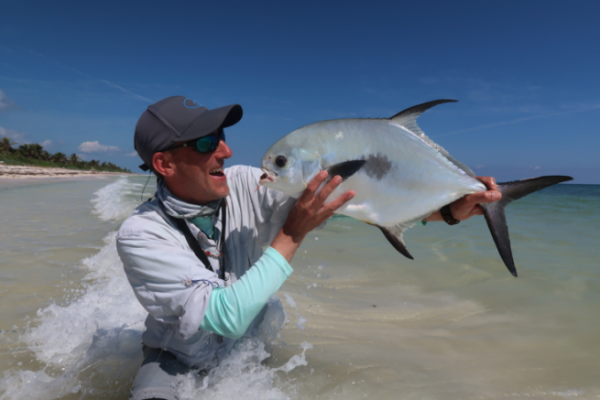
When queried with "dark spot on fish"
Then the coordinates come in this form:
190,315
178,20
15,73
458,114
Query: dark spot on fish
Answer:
377,166
345,169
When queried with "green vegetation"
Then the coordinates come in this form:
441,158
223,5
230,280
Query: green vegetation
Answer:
34,154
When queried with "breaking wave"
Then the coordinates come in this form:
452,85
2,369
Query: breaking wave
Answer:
90,346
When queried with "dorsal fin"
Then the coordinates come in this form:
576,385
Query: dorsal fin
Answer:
408,119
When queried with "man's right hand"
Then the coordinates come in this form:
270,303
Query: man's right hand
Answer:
309,212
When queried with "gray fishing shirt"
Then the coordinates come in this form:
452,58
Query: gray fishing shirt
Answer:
174,286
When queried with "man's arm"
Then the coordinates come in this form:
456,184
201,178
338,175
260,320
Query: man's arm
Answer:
468,206
231,310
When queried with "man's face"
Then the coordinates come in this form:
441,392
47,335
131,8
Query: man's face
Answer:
198,178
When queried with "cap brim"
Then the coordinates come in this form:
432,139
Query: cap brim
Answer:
211,120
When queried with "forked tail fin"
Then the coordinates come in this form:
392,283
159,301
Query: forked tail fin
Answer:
494,212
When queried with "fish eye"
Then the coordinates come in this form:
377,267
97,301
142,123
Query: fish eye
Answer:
281,161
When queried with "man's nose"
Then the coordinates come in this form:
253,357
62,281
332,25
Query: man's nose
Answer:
223,151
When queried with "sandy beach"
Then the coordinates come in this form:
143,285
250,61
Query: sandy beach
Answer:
27,171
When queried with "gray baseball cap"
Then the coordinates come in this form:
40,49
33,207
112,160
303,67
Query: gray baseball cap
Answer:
178,119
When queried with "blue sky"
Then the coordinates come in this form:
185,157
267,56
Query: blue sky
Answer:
77,75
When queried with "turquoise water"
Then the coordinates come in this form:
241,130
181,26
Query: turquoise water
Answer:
356,319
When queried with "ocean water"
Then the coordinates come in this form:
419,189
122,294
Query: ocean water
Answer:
355,320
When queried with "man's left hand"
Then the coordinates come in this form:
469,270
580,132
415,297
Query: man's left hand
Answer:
468,206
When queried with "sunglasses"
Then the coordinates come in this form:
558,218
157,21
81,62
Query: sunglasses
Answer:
205,144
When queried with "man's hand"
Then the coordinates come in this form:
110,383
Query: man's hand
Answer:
468,206
309,212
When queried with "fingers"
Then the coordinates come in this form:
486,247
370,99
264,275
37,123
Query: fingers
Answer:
491,195
315,183
340,201
312,186
468,206
483,197
328,189
488,181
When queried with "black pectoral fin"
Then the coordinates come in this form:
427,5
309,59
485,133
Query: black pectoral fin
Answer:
396,241
345,169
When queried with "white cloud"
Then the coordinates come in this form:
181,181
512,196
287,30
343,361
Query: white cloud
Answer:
46,143
133,154
17,136
95,147
6,104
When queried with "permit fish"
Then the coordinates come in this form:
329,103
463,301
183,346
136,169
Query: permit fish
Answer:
400,175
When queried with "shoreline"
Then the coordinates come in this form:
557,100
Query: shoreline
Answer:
27,172
25,175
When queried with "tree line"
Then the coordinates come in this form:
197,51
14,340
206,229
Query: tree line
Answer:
34,153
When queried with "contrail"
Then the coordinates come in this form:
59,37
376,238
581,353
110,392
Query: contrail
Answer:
516,121
129,92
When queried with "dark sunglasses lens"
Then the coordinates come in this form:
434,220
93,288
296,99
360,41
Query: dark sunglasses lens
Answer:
207,144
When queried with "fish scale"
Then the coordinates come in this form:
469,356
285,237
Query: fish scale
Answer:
399,175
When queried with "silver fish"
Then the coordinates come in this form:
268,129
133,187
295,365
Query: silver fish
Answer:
400,176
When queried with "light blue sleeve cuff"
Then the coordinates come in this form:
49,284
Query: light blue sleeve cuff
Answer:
231,310
279,260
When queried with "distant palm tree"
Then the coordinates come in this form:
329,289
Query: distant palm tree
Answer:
25,150
59,157
6,145
74,159
35,151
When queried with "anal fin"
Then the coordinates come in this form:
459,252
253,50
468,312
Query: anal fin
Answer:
394,235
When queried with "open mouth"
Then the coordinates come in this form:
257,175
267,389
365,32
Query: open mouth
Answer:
216,172
268,176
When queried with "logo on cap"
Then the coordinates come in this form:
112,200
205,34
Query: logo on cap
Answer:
189,103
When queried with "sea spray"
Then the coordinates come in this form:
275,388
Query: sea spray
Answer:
243,374
90,345
117,200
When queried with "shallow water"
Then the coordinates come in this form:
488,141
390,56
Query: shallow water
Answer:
356,319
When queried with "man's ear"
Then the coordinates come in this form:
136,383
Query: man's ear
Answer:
161,162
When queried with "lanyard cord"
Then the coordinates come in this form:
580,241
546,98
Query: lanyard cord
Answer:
195,246
146,184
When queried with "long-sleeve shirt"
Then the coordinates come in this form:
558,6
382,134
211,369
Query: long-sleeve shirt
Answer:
175,287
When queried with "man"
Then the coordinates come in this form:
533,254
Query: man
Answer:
193,255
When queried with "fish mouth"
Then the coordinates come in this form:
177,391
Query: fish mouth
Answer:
267,177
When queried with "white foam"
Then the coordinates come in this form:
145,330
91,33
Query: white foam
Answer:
93,344
117,200
290,300
301,321
242,374
89,343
